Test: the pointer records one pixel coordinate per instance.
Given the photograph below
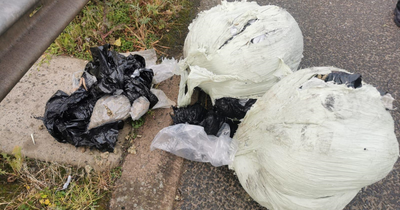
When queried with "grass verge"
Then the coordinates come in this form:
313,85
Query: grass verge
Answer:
129,25
33,184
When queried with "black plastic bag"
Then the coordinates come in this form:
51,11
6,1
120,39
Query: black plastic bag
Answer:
198,115
67,116
351,80
139,84
105,68
212,122
193,114
232,107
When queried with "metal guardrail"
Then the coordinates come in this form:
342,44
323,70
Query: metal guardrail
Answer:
27,28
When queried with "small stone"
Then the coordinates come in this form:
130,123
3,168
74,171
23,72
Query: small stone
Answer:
41,127
132,150
83,149
178,198
139,136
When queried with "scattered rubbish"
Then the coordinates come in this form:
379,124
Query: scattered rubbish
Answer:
387,101
149,56
316,146
351,80
163,100
139,84
139,107
232,107
240,50
210,120
165,70
33,140
191,142
67,183
67,117
193,114
109,109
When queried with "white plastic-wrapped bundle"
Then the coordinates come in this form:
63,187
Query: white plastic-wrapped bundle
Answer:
239,50
311,144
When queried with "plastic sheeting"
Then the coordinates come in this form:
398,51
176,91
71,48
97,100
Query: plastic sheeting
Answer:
311,144
239,50
109,109
192,142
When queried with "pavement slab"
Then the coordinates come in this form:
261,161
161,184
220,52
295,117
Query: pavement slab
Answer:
149,179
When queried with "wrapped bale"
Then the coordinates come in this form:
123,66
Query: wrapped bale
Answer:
239,50
312,143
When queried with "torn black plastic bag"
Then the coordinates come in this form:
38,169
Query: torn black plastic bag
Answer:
110,76
139,84
198,115
351,80
232,107
67,116
193,114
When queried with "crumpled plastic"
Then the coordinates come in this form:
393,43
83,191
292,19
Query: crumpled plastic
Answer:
109,74
139,107
109,109
338,77
232,107
165,70
313,144
191,142
163,100
210,120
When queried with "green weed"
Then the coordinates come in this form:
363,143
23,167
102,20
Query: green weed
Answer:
138,123
15,162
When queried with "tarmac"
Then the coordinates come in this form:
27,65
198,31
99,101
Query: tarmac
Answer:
359,36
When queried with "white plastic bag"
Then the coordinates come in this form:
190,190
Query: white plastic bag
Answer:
239,49
109,109
191,142
139,107
165,70
311,144
163,100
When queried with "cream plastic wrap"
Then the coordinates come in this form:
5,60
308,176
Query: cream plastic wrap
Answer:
239,50
109,109
310,144
192,142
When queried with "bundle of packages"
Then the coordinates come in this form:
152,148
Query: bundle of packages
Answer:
92,115
314,140
239,50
